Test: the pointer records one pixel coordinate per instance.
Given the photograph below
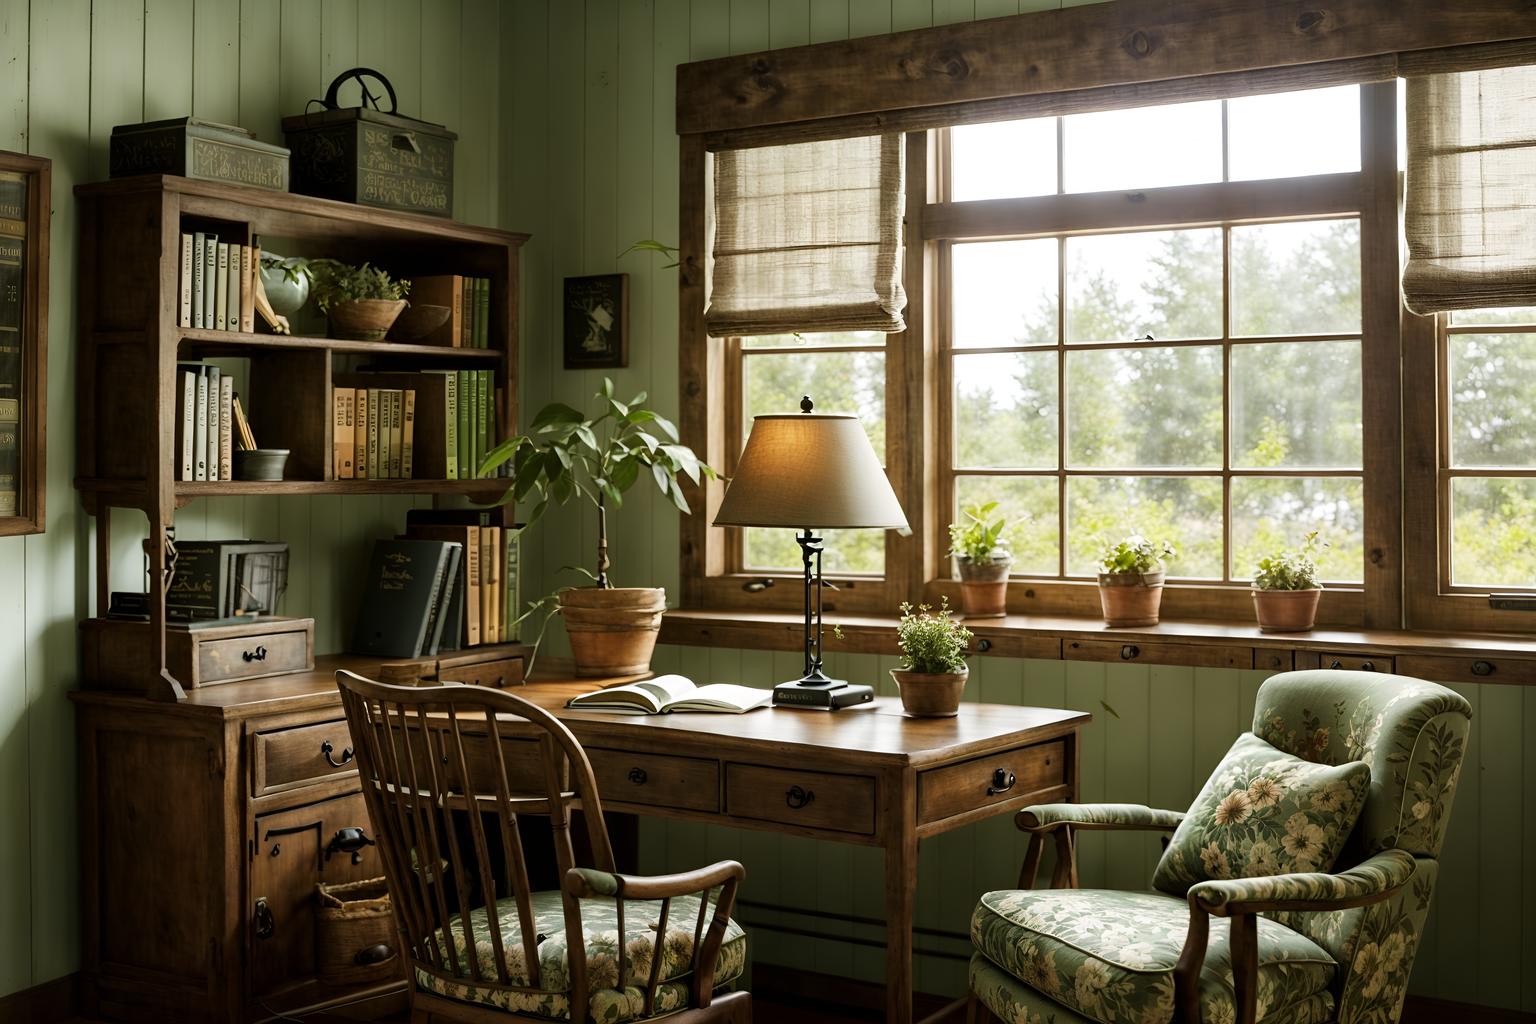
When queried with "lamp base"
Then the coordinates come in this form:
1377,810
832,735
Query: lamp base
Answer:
826,695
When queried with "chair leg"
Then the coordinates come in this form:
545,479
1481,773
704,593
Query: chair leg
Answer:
1065,874
1031,866
976,1012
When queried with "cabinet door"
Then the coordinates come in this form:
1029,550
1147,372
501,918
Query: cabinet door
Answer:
294,851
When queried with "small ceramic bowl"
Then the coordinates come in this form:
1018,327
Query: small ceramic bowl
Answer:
419,320
260,463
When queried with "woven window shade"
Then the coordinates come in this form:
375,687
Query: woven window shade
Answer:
807,237
1471,205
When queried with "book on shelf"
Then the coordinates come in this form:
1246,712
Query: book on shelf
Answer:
196,262
232,309
248,271
360,423
186,423
214,377
666,694
490,573
490,567
407,431
396,431
465,631
200,427
485,411
371,457
429,423
184,291
511,540
221,287
482,312
467,314
344,440
406,580
226,427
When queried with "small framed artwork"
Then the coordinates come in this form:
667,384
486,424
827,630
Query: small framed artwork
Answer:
24,202
597,322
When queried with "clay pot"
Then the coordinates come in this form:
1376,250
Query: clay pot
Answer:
364,319
612,631
930,695
1130,598
1286,611
984,587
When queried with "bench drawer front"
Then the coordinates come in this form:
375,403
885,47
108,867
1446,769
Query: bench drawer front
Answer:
1468,668
657,780
289,758
497,674
1345,660
250,657
840,803
1203,655
995,779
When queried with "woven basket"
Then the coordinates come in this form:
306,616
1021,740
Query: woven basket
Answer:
355,933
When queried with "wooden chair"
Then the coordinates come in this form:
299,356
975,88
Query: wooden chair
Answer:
448,772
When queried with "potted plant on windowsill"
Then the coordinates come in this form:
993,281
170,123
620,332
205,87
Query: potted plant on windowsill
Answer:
1131,581
360,303
982,555
933,671
1285,588
567,456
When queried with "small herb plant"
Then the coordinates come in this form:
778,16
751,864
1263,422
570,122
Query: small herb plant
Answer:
335,282
1291,570
978,537
1135,555
931,642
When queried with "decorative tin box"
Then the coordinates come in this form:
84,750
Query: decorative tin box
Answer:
366,156
194,148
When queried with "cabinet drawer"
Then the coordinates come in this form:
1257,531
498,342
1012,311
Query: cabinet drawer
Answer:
841,803
1354,662
1272,660
995,779
289,758
1203,655
657,780
249,657
497,674
1468,668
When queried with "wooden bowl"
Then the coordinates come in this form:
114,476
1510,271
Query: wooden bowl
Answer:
364,319
419,320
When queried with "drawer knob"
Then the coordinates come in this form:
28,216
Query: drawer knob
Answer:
1002,782
1482,668
259,654
348,840
638,776
326,748
983,645
1336,663
1130,652
1367,666
797,797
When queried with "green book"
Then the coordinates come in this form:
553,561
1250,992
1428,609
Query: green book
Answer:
485,404
482,312
467,306
463,433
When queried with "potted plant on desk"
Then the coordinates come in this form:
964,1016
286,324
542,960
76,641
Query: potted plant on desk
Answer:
1131,581
978,547
566,456
933,671
1285,589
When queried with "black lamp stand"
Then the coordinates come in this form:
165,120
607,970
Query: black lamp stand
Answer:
815,689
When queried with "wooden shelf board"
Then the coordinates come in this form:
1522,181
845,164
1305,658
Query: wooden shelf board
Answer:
241,339
213,489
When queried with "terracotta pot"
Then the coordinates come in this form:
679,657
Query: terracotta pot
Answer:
364,319
984,587
1286,611
1130,598
612,631
930,695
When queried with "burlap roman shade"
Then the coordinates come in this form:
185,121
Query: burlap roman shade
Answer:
807,237
1471,204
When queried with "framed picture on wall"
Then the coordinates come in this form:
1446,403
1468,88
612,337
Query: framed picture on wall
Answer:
24,201
596,322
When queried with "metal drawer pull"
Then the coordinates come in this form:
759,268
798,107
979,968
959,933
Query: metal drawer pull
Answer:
798,798
265,926
259,654
638,776
348,840
1002,782
1482,668
346,755
1130,652
1336,663
983,645
1367,666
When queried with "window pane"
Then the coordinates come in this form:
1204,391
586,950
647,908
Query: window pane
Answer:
1144,147
1030,505
1294,133
847,551
1296,404
1507,315
1137,407
1005,410
1183,510
1003,159
1004,293
1274,514
863,339
1493,399
852,382
1493,532
1163,283
1296,278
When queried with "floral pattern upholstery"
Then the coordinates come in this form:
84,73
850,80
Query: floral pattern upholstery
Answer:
1122,815
1109,956
1387,870
608,1004
1263,812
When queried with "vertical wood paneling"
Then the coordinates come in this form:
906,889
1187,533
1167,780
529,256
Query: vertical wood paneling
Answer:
1456,897
1502,806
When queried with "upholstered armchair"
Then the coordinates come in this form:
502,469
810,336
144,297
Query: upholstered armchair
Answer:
1284,948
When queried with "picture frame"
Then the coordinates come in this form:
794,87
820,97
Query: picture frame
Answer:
596,322
25,197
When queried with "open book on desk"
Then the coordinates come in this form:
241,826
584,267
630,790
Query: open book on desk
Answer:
673,693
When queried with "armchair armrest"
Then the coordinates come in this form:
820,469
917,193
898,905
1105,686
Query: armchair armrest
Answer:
1370,881
585,883
1049,817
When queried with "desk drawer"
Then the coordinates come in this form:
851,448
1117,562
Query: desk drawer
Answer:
984,781
250,657
498,674
658,780
841,803
1158,653
1346,660
289,758
1467,668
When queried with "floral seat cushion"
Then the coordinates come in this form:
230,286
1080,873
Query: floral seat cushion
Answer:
599,917
1109,956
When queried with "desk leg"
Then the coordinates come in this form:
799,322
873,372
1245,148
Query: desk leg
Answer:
900,906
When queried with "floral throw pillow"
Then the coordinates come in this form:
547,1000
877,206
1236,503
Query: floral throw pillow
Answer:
1264,812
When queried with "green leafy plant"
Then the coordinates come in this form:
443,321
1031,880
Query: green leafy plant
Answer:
335,282
651,245
1291,570
978,537
566,455
931,642
294,268
1135,554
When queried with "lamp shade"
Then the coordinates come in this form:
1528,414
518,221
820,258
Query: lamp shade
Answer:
810,470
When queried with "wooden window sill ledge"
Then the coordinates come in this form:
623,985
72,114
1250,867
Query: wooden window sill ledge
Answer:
1497,658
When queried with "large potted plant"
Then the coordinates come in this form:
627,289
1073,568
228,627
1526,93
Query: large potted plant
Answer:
1285,588
568,456
1131,581
933,669
982,555
360,303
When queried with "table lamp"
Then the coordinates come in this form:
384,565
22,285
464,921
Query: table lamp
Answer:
812,471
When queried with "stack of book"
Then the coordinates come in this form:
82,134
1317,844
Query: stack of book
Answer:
469,302
218,283
485,612
432,425
208,422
